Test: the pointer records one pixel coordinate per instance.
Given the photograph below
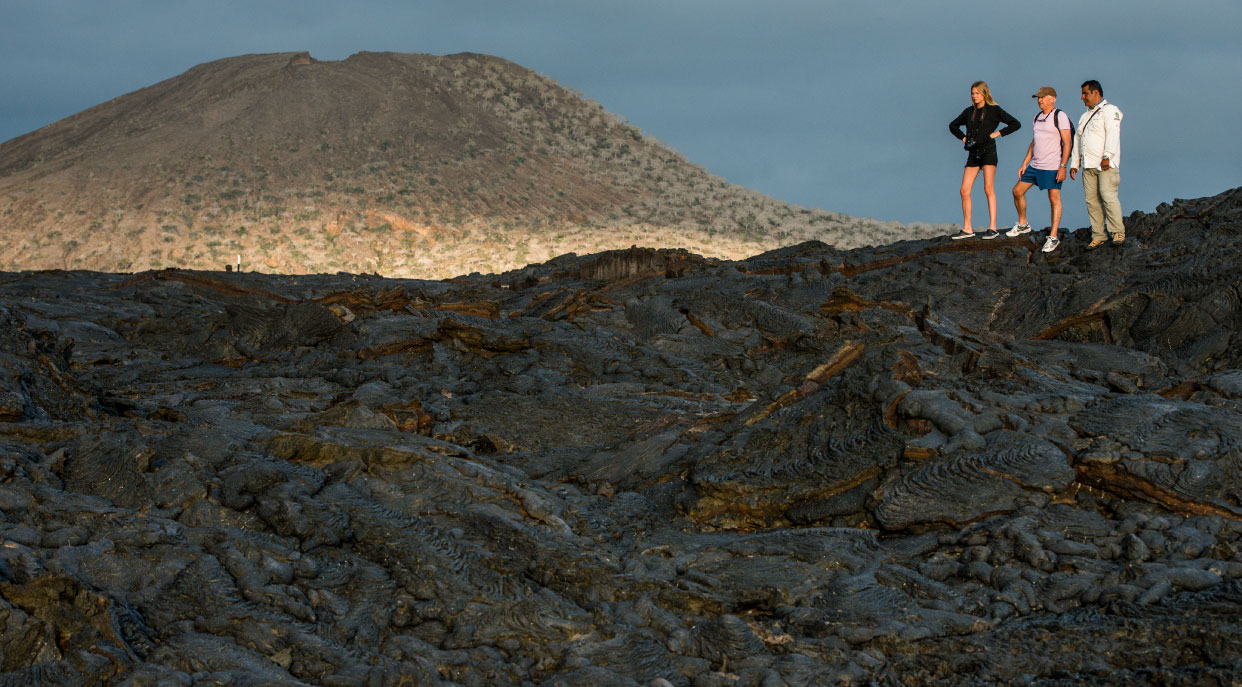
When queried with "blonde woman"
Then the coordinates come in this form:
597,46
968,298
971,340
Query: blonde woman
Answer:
981,120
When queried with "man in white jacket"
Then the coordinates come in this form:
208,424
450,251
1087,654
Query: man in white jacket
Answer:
1097,152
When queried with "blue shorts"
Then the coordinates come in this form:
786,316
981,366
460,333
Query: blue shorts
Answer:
1044,178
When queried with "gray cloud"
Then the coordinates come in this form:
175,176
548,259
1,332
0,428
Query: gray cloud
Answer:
826,104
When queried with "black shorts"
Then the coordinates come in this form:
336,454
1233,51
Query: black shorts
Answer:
986,155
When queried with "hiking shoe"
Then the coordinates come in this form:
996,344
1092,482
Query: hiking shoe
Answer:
1096,244
1051,244
1018,230
989,234
962,235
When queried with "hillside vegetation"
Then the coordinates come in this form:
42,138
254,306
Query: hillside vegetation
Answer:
400,164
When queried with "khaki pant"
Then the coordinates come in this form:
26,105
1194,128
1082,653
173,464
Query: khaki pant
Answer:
1103,206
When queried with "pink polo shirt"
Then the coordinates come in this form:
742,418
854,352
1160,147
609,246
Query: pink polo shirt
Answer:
1047,154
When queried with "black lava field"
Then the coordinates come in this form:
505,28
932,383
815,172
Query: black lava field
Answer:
928,463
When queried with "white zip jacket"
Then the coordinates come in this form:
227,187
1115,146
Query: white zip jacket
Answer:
1098,137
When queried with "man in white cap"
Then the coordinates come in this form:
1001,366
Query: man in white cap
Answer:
1044,164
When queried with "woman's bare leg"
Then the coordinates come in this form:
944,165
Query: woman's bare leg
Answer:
968,182
989,188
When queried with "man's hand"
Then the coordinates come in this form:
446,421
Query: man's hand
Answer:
1022,170
1073,173
1105,164
1060,174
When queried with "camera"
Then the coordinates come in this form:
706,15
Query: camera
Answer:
968,144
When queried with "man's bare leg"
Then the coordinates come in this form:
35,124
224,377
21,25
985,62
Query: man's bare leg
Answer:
1054,198
1019,200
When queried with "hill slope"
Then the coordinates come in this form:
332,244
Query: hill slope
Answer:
402,164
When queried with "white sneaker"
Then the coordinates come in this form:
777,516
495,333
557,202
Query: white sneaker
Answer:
1018,230
1051,244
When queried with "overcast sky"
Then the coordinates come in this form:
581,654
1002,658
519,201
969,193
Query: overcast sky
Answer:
838,105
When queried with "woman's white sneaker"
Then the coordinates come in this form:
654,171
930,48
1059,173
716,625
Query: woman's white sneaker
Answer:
1051,244
1018,230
